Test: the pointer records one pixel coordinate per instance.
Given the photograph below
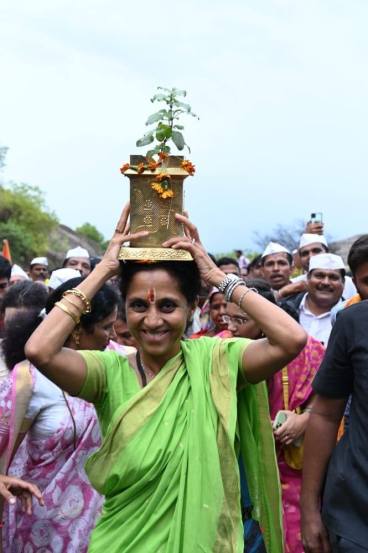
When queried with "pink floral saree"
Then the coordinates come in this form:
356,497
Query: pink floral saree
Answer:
56,464
301,372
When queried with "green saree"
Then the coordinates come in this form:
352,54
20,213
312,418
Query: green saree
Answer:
168,464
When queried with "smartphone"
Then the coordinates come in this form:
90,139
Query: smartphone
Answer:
316,217
279,419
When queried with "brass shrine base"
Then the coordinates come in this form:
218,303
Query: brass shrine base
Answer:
153,254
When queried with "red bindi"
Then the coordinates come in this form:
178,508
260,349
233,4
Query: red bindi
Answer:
151,295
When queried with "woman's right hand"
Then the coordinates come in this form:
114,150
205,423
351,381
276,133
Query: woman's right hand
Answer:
121,235
314,534
191,242
11,487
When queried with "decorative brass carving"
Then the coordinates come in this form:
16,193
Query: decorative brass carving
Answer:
150,212
153,254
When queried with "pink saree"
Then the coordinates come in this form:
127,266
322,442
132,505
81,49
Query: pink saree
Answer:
301,372
55,462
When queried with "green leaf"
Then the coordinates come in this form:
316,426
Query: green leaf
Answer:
182,105
159,98
145,140
179,92
163,132
179,127
154,117
178,140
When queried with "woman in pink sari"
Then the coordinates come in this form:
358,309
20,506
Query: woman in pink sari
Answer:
49,433
290,391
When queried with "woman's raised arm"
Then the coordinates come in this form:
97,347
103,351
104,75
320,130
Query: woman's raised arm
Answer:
285,338
64,366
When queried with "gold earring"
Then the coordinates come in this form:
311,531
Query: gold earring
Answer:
76,337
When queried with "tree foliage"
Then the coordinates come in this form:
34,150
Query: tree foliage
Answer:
25,221
287,235
90,231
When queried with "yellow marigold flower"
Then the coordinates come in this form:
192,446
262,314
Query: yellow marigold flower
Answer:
167,194
156,186
162,176
140,168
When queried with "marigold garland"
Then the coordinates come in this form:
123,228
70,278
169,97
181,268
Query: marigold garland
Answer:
161,185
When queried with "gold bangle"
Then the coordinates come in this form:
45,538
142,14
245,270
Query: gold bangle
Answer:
72,303
79,294
66,310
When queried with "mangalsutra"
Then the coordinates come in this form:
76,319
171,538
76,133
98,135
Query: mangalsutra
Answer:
144,372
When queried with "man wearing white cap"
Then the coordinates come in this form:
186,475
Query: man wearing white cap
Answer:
276,265
39,269
310,245
325,285
78,258
17,274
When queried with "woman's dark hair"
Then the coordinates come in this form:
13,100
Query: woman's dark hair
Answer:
227,261
102,304
25,294
358,253
265,290
30,298
255,263
185,273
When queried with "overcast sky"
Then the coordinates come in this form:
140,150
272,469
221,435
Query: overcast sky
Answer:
281,87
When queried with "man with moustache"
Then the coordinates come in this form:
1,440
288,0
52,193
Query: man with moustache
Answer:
325,285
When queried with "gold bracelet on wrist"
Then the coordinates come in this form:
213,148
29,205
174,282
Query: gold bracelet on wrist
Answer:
78,307
66,310
79,294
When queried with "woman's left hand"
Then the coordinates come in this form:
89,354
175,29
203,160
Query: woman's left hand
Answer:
292,429
191,242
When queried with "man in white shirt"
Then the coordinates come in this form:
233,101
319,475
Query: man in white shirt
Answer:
325,284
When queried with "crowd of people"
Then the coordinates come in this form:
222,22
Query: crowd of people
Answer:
213,405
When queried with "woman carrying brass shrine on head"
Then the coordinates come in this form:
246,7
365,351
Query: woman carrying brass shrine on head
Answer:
176,415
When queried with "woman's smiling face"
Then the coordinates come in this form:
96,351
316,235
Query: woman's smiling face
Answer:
157,313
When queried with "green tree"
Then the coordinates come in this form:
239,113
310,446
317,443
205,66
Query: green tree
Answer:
25,221
90,231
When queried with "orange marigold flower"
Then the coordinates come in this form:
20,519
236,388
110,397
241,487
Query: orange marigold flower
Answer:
188,166
167,194
140,168
152,165
124,168
163,155
162,176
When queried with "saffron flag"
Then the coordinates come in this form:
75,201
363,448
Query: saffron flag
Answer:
6,250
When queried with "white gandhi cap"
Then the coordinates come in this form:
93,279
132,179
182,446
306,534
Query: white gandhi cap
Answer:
62,275
39,261
307,239
274,247
326,261
77,252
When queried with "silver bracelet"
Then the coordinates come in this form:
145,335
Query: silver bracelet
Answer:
227,280
244,294
231,287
